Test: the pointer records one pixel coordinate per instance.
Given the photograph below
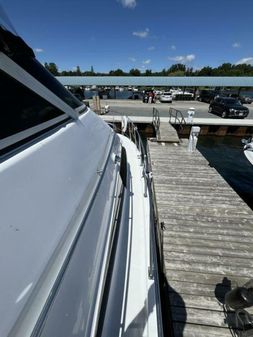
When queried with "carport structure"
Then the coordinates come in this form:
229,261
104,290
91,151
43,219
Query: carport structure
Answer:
157,81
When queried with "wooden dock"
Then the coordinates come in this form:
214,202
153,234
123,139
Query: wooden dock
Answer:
207,240
167,133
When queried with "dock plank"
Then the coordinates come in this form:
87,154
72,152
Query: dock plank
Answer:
207,239
167,133
196,330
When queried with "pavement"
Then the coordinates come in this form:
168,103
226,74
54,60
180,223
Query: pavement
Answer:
139,109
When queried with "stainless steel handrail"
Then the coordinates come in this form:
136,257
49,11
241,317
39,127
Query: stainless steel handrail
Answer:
156,120
133,134
178,117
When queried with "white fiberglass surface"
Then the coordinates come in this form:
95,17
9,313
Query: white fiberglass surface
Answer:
42,189
249,155
139,315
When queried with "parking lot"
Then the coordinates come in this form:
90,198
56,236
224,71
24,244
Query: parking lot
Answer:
138,108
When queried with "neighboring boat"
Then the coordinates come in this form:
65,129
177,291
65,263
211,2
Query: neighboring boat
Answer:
248,149
77,243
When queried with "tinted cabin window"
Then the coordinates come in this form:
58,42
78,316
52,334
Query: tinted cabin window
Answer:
21,108
33,67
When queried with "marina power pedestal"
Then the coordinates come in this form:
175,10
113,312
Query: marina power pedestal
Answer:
193,139
191,113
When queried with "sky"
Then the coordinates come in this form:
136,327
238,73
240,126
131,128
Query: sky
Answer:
143,34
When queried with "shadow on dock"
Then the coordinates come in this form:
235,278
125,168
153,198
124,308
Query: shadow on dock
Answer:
175,315
220,292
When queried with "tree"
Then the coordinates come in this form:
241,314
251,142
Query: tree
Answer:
177,67
52,67
177,73
148,72
134,72
117,72
78,71
189,71
206,71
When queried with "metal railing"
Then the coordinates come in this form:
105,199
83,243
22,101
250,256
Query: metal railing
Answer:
156,121
134,135
178,118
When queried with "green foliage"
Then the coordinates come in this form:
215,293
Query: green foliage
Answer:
177,68
52,67
134,72
78,71
148,72
177,73
226,69
117,72
206,71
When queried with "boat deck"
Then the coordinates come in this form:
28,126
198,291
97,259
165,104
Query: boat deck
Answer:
207,239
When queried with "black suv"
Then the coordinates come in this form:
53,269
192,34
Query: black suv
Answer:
228,107
207,95
242,99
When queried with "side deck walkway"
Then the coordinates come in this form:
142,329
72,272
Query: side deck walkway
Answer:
207,239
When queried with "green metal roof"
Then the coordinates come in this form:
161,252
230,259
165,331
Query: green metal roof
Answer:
157,81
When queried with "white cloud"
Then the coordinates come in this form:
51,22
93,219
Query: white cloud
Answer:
128,3
151,48
246,60
133,59
236,45
142,34
183,59
146,61
173,47
39,50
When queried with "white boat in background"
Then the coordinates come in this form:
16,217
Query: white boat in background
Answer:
176,92
77,244
248,150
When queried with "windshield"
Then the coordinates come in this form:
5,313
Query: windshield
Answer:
5,22
232,101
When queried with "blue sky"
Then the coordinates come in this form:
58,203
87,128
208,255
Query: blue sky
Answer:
144,34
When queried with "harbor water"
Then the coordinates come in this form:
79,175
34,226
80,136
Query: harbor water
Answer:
111,94
226,155
136,95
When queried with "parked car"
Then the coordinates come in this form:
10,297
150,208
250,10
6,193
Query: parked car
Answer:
166,97
246,99
228,107
207,95
242,99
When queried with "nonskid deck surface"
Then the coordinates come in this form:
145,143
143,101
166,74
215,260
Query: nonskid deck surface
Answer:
140,315
207,240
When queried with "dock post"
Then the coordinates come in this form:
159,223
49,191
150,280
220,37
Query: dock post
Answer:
193,139
96,104
191,113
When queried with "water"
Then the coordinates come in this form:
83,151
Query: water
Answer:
128,94
225,154
125,94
